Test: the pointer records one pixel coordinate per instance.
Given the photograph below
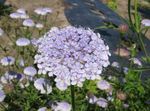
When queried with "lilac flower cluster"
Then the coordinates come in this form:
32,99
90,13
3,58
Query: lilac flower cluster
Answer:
71,55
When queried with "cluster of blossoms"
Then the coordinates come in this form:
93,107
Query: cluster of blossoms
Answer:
19,14
71,55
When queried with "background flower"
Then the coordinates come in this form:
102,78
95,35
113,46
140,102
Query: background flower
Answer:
22,42
30,71
43,85
2,95
61,106
8,60
1,32
28,23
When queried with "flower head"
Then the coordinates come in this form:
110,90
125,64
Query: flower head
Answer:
146,22
72,55
28,23
39,26
42,109
8,60
101,102
61,106
103,85
15,15
30,71
2,95
43,85
21,10
43,11
1,32
22,42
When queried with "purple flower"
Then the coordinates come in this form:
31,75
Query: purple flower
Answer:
28,23
43,11
1,32
2,95
61,106
8,60
22,42
30,71
101,102
72,55
146,22
43,85
103,85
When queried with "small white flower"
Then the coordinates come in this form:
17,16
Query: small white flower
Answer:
21,10
39,26
48,10
103,85
115,64
28,23
42,11
43,86
102,102
24,16
92,99
21,62
8,60
2,95
125,105
15,15
61,86
146,22
1,32
61,106
125,70
30,71
42,109
136,61
22,42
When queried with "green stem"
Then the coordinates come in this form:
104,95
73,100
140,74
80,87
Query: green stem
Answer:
73,98
142,45
129,14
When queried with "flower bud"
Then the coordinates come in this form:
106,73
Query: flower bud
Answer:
121,95
123,28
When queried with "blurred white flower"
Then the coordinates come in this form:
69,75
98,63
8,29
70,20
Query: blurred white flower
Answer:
43,85
115,64
15,15
30,71
43,11
39,26
102,102
1,32
24,16
61,106
8,60
22,42
24,81
125,105
28,23
146,22
2,95
21,62
42,109
21,10
92,100
136,61
61,85
103,85
125,70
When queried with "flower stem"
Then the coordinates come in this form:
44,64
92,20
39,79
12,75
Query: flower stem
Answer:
73,98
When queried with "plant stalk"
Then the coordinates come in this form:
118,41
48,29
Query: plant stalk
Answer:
73,98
